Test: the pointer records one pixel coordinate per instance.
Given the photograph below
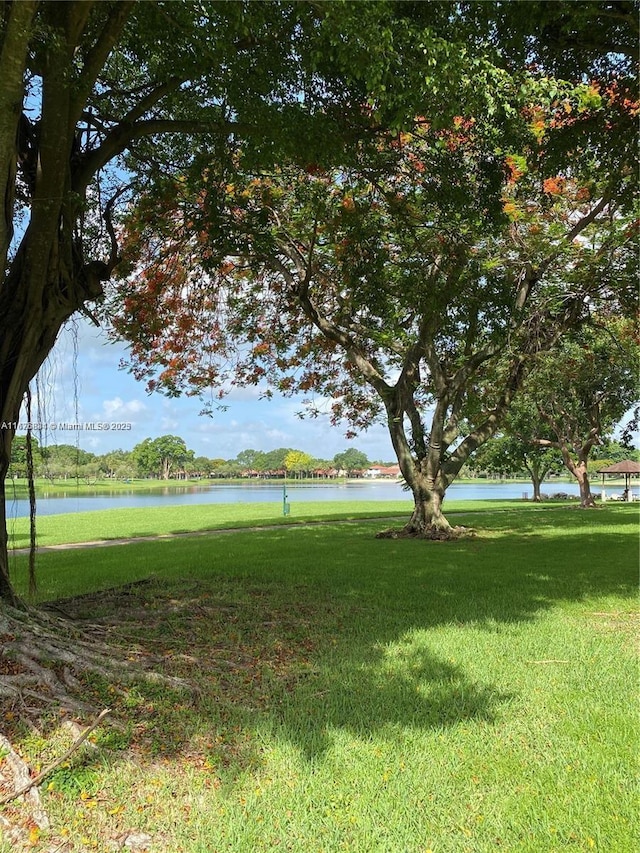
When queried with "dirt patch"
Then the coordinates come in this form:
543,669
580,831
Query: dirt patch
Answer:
231,650
618,622
432,534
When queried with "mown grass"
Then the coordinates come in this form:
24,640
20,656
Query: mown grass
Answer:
171,519
166,520
385,696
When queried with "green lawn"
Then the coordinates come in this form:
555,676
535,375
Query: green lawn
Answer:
374,696
163,520
160,521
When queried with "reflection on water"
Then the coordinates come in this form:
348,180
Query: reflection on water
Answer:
362,490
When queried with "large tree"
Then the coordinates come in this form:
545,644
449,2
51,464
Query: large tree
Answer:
509,454
20,455
62,461
416,284
298,463
580,391
99,96
161,456
351,460
117,464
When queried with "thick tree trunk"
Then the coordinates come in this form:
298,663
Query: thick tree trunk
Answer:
27,336
7,593
47,280
586,498
537,486
427,514
579,470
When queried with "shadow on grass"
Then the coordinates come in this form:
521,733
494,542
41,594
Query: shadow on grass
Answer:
18,540
266,659
295,632
366,700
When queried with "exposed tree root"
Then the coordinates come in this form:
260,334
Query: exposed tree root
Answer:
22,823
31,783
434,534
14,774
43,656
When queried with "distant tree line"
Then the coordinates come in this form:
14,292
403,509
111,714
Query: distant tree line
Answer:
514,456
168,457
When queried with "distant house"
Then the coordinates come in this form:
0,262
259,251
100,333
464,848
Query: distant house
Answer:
325,473
274,474
390,472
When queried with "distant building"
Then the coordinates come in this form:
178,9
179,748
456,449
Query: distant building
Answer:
326,473
391,472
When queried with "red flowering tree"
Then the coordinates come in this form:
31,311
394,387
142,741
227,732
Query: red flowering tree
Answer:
415,286
96,97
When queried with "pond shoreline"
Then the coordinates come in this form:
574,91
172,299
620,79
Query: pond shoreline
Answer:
275,494
18,488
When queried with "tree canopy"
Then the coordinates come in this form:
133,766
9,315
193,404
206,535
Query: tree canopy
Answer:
351,460
161,456
417,284
104,102
101,99
577,394
513,453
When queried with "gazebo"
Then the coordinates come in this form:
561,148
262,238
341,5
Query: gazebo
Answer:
627,467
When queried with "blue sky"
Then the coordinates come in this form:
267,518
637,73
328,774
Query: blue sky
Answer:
109,395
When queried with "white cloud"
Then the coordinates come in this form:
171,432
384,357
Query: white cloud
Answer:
170,424
249,392
117,409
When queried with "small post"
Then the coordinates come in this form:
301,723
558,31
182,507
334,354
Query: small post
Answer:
286,506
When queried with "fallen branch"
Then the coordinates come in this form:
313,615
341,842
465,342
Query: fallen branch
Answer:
551,660
44,773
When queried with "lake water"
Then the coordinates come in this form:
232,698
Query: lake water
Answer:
362,490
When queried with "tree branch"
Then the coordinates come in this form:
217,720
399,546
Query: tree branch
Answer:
32,783
588,218
151,99
97,56
119,139
491,422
